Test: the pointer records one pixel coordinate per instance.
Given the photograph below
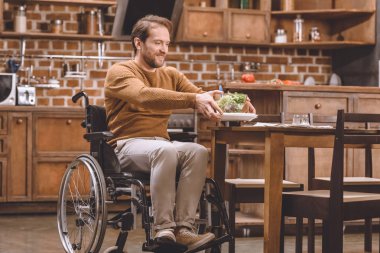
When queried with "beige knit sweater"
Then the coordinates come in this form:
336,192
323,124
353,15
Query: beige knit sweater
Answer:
138,103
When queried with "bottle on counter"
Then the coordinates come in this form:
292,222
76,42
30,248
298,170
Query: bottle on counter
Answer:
298,29
20,19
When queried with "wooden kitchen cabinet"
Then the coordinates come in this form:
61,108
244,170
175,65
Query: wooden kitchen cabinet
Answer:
202,25
226,26
19,171
36,145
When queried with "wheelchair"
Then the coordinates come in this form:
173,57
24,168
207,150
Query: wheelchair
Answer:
93,181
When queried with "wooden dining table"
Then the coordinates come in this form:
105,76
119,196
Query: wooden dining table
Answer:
275,139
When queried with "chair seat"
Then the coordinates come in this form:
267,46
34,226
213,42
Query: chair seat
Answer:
258,183
311,203
354,180
347,196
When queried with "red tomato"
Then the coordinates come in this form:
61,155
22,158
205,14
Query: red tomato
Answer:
248,78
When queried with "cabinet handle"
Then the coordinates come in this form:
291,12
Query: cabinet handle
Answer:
19,121
68,122
205,34
318,106
248,35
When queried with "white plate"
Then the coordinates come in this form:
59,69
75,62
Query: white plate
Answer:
236,116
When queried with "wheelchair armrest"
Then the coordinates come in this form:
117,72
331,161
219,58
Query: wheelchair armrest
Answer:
97,136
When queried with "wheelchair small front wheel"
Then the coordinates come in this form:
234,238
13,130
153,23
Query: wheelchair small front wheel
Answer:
82,211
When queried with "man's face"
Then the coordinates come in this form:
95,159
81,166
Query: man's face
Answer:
153,51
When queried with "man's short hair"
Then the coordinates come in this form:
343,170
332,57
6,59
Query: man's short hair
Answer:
142,27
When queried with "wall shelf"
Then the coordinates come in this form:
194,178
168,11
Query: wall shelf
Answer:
99,3
326,14
321,44
63,36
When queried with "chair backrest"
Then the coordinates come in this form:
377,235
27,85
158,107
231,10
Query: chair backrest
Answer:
344,137
101,150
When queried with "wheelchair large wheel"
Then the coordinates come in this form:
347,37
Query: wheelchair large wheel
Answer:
82,211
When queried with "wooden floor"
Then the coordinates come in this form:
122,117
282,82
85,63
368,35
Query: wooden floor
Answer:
38,234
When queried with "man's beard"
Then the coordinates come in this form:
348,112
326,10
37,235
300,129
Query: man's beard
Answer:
151,62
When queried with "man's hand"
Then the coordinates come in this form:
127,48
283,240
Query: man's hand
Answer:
248,107
206,105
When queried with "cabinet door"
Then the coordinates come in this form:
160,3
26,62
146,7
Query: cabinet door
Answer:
325,104
59,135
47,176
251,27
20,153
202,24
3,179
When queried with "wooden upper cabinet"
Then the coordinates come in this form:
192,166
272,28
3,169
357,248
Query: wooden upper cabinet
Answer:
248,26
217,25
202,24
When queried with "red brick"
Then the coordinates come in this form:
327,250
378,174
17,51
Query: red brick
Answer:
225,58
289,51
97,74
264,50
184,48
301,51
264,77
42,101
72,83
58,101
277,60
237,50
72,45
200,57
175,57
197,67
60,92
208,76
323,61
252,58
114,46
198,49
224,49
289,77
251,50
211,49
301,68
313,69
302,60
277,51
275,69
58,44
184,66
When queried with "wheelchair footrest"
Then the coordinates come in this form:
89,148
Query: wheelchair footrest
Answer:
163,245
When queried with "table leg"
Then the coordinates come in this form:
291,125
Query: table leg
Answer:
273,172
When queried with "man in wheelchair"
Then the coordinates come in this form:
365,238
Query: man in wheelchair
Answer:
139,97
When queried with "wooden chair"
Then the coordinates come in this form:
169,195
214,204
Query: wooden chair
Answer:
333,205
243,190
365,183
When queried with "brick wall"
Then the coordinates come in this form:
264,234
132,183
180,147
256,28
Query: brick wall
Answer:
197,62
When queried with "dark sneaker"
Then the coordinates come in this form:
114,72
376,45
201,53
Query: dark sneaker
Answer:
192,240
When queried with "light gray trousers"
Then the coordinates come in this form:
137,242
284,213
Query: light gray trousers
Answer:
164,159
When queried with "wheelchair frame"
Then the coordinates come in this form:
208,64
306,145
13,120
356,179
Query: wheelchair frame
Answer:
94,180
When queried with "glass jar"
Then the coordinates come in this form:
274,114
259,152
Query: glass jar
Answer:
56,26
281,36
314,34
20,19
298,29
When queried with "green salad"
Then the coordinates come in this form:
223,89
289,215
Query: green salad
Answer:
232,102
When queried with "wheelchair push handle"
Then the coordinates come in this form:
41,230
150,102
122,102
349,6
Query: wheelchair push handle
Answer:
80,94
